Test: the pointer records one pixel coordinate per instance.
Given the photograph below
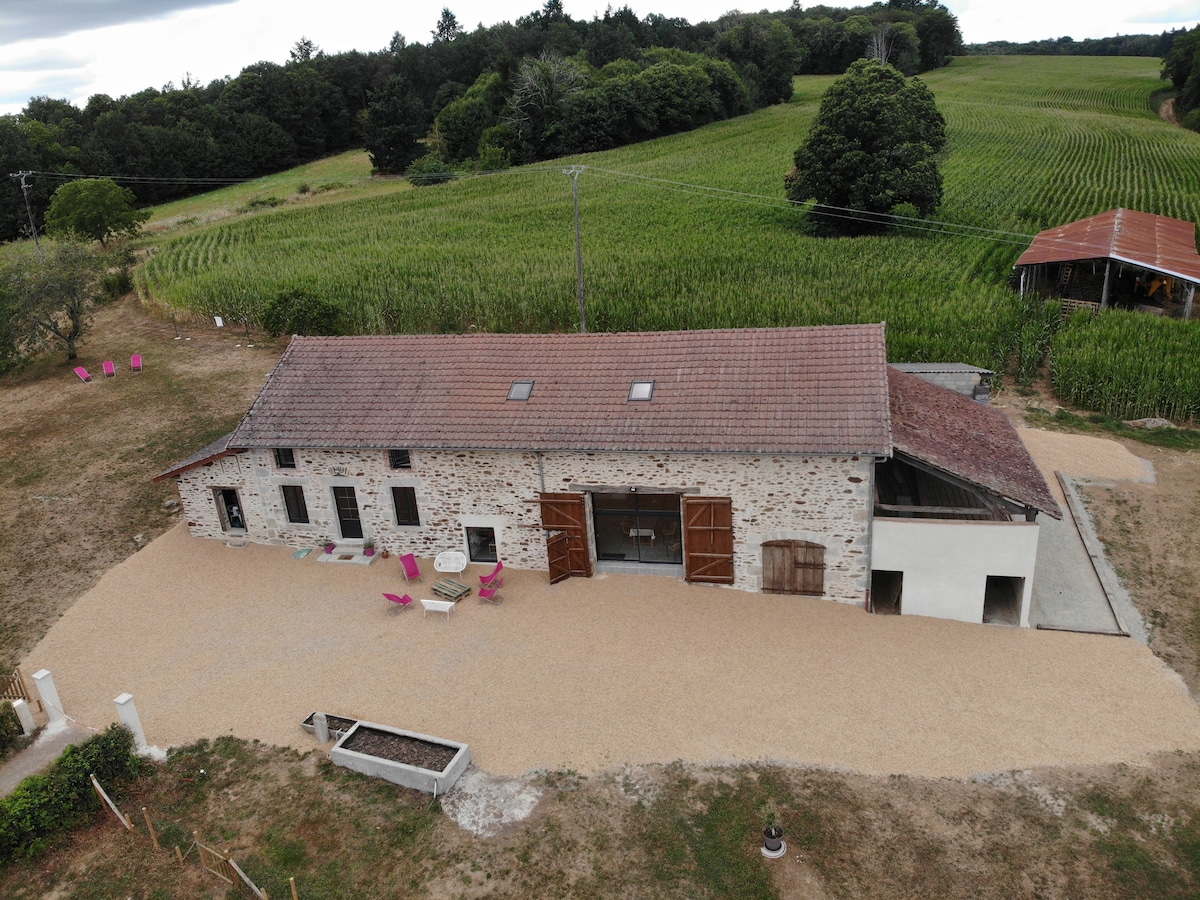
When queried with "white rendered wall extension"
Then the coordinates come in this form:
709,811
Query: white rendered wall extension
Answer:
946,564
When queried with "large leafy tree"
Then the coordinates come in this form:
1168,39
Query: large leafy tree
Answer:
50,293
96,208
873,146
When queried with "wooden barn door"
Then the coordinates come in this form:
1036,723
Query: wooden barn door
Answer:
558,552
567,513
793,567
708,539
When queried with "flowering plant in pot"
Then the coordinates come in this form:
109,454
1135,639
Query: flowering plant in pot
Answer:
368,547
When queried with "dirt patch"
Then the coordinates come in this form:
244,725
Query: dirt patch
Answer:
400,748
1166,111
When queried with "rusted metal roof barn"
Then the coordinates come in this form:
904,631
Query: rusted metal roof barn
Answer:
1122,258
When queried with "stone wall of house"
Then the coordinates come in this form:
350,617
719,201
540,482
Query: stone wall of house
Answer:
821,499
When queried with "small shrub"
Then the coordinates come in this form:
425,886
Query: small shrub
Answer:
261,203
429,169
297,312
10,727
304,188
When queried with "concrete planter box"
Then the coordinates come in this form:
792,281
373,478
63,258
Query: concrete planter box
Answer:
411,776
336,727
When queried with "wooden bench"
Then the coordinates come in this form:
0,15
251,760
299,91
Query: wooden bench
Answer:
451,589
437,606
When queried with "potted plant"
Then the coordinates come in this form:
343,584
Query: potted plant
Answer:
773,846
369,547
330,546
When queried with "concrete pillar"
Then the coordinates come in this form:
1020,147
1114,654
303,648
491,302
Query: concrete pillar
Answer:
49,694
25,714
321,723
128,715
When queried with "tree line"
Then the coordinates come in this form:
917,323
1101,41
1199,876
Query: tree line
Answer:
1181,65
1119,45
543,85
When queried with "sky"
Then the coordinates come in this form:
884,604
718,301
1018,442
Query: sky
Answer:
72,49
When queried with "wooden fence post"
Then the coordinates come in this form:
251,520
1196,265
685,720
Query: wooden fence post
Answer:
150,828
292,882
179,853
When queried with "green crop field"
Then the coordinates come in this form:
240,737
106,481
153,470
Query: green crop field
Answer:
692,231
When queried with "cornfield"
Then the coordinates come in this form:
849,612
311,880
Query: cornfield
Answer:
1034,141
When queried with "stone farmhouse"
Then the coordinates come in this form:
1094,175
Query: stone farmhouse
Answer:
785,460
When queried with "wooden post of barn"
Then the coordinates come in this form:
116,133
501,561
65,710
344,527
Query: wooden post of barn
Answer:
1107,283
150,828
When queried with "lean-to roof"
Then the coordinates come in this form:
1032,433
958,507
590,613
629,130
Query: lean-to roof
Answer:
1142,239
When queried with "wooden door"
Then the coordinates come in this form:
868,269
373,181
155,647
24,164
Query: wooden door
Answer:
708,539
567,513
793,567
559,554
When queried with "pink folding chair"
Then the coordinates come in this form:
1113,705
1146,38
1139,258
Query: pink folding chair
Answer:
83,373
399,602
486,580
135,363
110,368
491,593
412,572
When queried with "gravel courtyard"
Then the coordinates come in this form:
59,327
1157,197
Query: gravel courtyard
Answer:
596,672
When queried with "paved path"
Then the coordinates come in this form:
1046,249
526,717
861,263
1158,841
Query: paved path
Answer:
1066,591
38,756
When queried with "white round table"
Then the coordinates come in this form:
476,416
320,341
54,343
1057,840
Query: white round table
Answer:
450,561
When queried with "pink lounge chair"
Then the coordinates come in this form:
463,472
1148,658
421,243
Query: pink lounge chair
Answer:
412,572
83,373
135,363
399,602
110,368
486,580
491,593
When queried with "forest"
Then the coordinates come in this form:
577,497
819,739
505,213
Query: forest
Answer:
461,95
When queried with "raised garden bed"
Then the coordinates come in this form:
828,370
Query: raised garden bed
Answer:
338,725
403,757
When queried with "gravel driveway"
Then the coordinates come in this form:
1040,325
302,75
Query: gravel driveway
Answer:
596,672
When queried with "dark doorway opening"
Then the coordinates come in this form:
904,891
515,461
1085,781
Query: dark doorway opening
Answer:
1002,599
229,507
887,588
347,512
638,527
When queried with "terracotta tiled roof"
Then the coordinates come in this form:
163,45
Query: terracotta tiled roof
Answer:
816,390
1142,239
965,438
215,450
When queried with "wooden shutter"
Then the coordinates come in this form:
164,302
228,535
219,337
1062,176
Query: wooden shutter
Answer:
568,513
810,568
708,539
559,554
793,567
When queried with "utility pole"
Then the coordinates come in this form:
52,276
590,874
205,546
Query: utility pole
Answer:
25,189
573,173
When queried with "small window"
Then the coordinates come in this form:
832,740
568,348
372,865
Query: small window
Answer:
520,390
293,499
641,390
285,459
400,459
405,500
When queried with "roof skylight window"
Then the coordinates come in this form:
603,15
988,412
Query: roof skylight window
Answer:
641,390
520,390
